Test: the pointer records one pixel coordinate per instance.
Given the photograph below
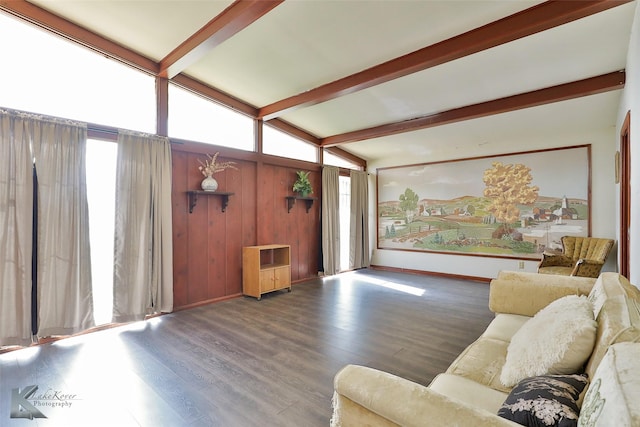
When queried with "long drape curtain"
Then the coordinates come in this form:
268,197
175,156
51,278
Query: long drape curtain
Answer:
330,219
16,219
359,223
143,260
65,300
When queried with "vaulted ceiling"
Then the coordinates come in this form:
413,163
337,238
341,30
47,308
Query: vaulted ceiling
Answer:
380,79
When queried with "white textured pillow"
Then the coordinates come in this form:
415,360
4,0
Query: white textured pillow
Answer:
557,340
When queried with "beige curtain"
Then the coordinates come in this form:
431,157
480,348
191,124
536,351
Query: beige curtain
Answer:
330,219
65,303
143,251
16,220
359,223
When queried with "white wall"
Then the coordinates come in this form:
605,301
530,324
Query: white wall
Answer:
631,102
603,205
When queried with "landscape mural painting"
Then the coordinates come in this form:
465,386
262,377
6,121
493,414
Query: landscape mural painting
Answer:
515,205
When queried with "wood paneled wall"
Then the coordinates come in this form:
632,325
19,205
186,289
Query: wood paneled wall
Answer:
207,244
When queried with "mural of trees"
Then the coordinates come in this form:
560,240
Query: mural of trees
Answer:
507,205
409,204
508,185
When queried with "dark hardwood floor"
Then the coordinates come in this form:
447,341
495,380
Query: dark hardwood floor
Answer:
244,362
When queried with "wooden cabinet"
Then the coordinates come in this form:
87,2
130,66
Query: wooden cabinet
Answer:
265,269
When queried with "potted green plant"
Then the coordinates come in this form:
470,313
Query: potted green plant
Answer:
302,186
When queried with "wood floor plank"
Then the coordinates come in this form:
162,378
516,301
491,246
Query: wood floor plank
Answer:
244,362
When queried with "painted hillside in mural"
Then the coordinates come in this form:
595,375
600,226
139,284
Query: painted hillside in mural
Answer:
506,206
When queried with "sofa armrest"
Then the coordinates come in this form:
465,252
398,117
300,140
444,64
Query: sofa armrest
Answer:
399,401
525,294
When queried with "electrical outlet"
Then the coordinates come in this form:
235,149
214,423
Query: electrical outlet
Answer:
521,265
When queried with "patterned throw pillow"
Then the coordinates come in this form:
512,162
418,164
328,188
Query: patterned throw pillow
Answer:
613,395
549,400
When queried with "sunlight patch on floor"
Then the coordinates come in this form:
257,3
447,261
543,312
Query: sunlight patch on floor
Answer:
412,290
397,287
22,355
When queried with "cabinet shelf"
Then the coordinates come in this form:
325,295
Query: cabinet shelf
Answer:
291,200
193,198
265,268
272,266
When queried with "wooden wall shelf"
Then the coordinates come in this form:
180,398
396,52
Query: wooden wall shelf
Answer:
291,200
193,198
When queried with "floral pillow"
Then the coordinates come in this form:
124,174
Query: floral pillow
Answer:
549,400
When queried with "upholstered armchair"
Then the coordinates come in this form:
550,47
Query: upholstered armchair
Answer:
580,256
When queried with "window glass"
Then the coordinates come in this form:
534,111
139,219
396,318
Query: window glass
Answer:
46,74
101,194
278,143
344,209
195,118
333,160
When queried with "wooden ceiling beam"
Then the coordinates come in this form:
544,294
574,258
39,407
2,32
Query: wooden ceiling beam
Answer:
563,92
522,24
75,33
239,15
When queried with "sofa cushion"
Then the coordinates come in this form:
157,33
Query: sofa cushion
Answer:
556,269
468,391
482,362
557,340
550,400
613,395
617,305
504,326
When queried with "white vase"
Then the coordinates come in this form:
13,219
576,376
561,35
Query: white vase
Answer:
209,184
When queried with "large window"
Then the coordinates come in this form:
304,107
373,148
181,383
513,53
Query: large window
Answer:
45,74
345,221
280,144
195,118
333,160
101,195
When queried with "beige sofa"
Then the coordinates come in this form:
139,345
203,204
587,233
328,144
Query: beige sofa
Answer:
470,392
